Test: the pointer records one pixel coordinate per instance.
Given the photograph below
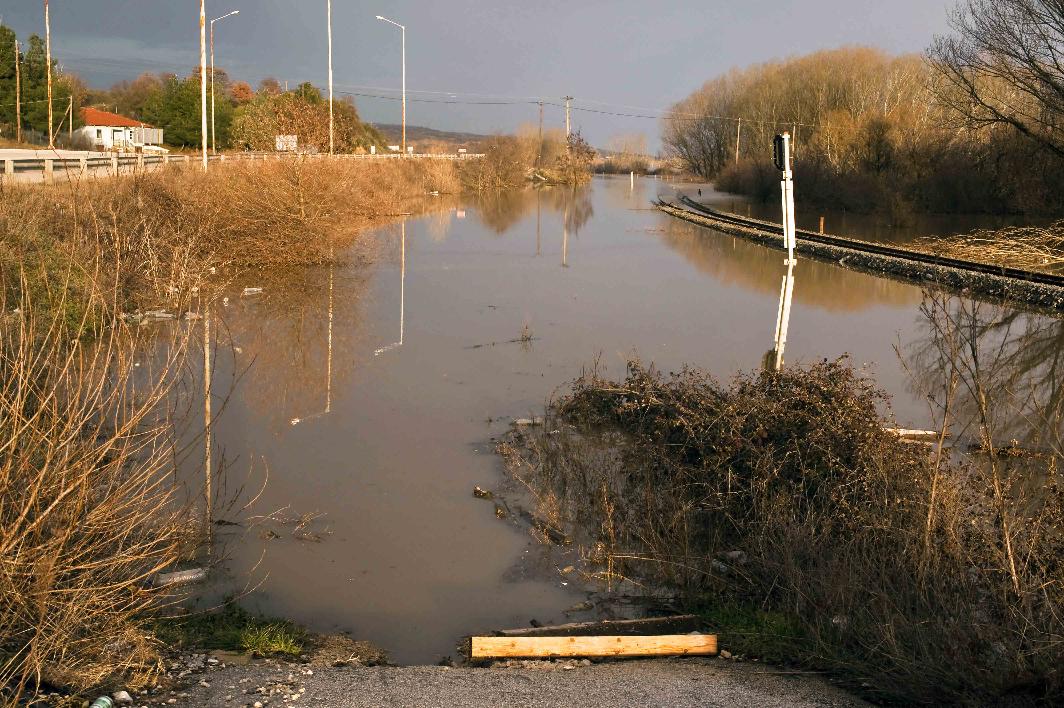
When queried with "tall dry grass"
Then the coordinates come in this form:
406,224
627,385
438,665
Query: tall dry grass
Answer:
90,505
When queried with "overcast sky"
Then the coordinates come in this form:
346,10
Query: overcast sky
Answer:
619,56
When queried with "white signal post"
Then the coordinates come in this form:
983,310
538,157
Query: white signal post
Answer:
782,156
214,141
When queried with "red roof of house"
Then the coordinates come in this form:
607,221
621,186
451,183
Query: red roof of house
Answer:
93,116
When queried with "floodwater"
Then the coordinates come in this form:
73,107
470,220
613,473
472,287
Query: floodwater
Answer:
361,400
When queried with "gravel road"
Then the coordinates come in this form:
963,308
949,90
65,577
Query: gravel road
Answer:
666,682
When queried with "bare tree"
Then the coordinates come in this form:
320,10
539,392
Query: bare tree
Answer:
1005,66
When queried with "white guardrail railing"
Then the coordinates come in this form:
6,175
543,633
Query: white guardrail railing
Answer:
119,164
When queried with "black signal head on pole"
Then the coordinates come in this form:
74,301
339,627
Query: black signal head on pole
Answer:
778,153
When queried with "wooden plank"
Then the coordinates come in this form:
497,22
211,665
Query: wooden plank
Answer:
678,624
914,434
544,647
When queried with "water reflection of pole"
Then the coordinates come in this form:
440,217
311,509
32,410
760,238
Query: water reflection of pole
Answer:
565,236
329,357
208,465
329,350
539,206
402,296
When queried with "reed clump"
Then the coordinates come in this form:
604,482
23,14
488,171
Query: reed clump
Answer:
783,494
89,512
1029,247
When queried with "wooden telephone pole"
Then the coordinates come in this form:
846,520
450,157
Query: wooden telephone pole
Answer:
539,147
48,64
18,95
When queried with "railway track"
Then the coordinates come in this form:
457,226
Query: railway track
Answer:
1017,275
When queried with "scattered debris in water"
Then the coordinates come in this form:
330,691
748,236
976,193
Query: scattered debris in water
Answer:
180,577
252,291
482,493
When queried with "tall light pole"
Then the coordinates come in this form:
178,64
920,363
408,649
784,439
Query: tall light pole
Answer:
332,139
403,28
203,78
214,141
48,64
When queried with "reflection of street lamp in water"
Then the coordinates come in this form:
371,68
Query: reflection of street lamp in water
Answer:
329,355
402,296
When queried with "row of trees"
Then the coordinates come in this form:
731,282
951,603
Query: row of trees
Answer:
33,75
245,118
975,125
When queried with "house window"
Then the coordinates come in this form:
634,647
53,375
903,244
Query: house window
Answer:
99,133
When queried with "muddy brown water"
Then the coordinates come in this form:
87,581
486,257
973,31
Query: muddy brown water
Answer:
376,445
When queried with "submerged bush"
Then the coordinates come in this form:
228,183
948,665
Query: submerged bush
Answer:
785,493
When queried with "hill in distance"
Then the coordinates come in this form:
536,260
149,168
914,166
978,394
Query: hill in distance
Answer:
419,135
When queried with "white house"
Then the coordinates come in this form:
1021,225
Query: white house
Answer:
110,131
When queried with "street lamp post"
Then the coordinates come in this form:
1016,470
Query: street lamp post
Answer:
403,28
214,141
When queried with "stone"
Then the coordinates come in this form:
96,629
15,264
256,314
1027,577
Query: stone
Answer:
122,698
725,654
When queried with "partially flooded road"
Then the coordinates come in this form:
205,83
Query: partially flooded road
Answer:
365,399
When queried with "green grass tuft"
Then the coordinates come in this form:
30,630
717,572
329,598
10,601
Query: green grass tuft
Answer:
232,629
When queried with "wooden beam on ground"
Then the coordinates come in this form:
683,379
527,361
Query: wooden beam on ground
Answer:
905,434
546,647
678,624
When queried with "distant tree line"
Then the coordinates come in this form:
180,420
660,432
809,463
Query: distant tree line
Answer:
975,125
244,118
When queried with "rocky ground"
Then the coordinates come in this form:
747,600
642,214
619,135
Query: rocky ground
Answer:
214,680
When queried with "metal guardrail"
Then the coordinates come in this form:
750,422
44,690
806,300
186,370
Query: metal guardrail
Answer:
114,164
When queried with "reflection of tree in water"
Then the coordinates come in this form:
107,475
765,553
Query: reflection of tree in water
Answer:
283,335
825,285
1014,360
500,211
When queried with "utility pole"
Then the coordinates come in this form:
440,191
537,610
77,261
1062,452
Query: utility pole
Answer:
332,143
18,95
70,126
539,147
568,118
203,79
738,137
48,64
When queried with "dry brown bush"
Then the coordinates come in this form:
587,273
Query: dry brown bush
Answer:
88,506
923,580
